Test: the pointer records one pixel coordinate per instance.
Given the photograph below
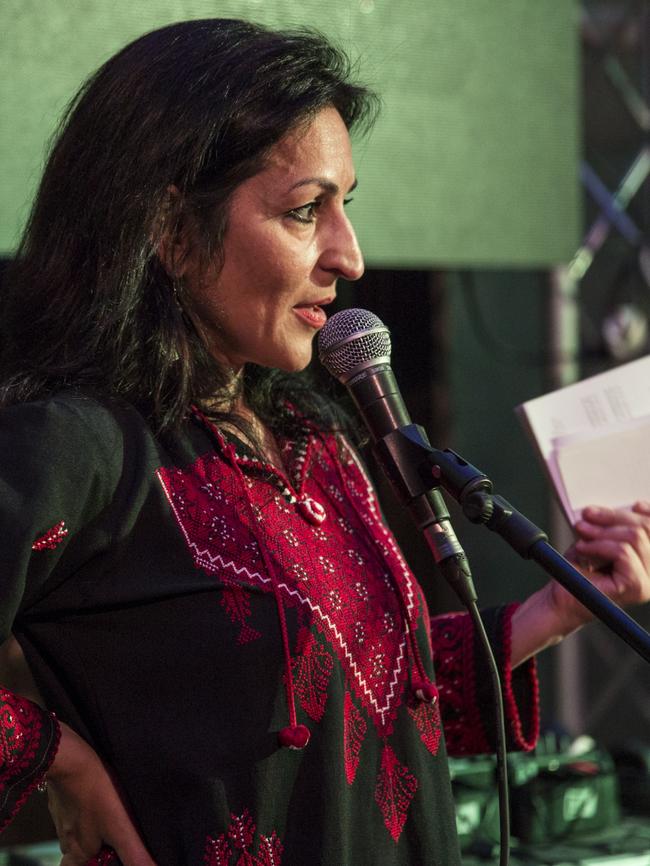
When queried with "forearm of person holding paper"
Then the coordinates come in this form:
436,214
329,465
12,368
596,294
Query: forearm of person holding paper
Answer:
613,550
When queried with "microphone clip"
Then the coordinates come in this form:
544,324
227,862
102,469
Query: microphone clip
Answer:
415,468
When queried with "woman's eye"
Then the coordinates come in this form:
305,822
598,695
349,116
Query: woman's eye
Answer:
306,213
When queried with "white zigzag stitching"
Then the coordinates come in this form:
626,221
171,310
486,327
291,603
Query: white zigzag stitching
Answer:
208,560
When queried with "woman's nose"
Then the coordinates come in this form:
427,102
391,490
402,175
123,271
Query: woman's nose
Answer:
343,255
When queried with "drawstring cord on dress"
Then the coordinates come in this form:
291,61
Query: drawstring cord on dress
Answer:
294,735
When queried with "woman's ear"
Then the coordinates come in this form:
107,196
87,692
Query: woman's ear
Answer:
173,239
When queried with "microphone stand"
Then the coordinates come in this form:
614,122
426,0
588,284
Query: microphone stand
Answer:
414,465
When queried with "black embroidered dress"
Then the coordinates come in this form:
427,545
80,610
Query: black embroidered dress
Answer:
188,610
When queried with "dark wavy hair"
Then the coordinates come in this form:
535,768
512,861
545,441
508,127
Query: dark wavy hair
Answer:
195,107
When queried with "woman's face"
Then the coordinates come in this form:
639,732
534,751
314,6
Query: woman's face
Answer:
288,240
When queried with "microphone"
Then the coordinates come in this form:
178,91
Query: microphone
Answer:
354,346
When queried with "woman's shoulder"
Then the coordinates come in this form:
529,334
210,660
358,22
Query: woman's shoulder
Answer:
72,422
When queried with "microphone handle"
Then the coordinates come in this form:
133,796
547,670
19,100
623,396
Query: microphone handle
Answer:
377,396
380,404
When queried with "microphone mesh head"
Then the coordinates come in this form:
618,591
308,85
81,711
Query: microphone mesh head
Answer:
351,340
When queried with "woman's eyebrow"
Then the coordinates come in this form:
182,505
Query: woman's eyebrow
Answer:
324,183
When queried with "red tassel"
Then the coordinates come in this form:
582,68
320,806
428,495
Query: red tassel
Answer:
294,736
425,690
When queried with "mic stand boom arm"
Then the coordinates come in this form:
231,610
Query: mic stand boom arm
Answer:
418,468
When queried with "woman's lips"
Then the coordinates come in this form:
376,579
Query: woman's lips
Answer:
312,315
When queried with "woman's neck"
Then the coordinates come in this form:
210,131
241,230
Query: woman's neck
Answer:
260,439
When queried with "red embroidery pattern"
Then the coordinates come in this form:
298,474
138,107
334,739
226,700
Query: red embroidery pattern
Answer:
233,848
342,574
217,852
350,598
27,748
427,719
354,730
52,537
236,602
452,636
519,738
312,667
396,787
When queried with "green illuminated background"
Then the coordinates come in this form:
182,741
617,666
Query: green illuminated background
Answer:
473,161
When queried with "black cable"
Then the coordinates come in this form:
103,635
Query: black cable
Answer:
500,733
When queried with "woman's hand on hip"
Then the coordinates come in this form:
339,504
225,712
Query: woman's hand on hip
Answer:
87,809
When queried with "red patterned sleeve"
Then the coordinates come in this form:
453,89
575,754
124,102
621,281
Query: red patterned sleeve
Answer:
463,680
29,738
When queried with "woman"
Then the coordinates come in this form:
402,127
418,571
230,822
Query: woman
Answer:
195,568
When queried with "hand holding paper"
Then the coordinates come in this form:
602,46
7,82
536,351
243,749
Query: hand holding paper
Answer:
594,438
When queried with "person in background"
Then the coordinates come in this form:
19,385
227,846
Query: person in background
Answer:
233,661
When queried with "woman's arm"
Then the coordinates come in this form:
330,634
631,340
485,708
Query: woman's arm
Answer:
86,807
44,505
613,551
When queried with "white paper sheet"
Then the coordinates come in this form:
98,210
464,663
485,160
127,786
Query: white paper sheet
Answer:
594,438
